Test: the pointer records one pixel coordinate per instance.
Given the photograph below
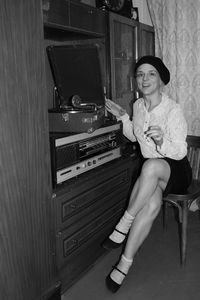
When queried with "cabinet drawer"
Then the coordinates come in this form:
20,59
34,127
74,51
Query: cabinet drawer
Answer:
93,212
71,207
56,13
69,246
87,18
87,199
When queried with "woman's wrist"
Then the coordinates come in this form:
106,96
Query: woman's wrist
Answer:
122,112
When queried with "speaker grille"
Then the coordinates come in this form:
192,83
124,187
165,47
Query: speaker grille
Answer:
66,155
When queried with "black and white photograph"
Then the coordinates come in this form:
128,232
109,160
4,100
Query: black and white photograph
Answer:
100,150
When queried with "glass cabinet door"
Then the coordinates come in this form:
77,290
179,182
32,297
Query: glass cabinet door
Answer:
123,52
146,37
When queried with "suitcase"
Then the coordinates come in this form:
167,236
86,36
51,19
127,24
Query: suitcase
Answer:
66,120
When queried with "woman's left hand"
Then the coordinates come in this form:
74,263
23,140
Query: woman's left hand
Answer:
156,133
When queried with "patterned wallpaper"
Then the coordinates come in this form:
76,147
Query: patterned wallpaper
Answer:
177,29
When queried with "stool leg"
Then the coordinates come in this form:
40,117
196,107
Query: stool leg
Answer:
184,232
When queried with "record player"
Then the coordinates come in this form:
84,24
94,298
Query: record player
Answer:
79,95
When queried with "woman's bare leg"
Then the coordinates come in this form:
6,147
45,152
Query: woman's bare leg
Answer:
138,232
123,226
155,172
148,199
142,224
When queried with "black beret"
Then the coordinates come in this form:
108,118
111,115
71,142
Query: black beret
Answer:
158,64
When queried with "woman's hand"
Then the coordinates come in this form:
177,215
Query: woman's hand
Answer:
156,133
114,108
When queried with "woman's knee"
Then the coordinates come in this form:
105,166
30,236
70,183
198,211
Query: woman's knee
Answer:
154,167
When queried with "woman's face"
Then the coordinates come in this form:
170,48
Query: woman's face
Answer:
148,80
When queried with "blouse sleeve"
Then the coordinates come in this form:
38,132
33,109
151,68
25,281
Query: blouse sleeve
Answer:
174,141
127,127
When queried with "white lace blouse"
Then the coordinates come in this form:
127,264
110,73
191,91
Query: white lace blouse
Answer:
169,116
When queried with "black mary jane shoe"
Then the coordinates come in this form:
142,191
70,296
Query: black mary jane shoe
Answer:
111,284
108,244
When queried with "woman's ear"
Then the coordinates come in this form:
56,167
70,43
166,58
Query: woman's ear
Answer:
161,85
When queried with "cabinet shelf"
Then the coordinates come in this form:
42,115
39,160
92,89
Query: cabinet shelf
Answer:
74,17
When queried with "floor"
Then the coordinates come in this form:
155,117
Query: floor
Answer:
156,273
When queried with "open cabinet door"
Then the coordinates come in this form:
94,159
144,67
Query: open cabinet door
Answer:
123,54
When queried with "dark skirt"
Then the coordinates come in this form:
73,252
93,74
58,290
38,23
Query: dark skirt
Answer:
180,177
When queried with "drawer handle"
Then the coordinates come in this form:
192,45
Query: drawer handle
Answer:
74,242
73,206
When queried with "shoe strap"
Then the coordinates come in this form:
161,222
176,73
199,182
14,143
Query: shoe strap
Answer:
120,231
120,271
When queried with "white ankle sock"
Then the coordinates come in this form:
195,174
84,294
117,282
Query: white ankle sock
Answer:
123,265
123,226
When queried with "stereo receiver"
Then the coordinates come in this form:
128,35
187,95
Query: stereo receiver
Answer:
72,155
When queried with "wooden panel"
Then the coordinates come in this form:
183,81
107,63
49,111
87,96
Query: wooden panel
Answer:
93,196
85,17
78,196
78,247
76,243
88,209
123,53
74,16
56,13
25,241
77,266
95,210
146,40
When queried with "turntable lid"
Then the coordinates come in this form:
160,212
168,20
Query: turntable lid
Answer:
76,70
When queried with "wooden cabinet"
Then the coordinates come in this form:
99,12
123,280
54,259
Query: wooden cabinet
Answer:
146,44
27,265
123,53
129,40
73,23
87,208
56,13
74,16
87,18
47,241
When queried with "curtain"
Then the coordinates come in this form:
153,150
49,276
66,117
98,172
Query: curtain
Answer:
177,42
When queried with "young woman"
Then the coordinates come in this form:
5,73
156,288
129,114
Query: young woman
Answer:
160,128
